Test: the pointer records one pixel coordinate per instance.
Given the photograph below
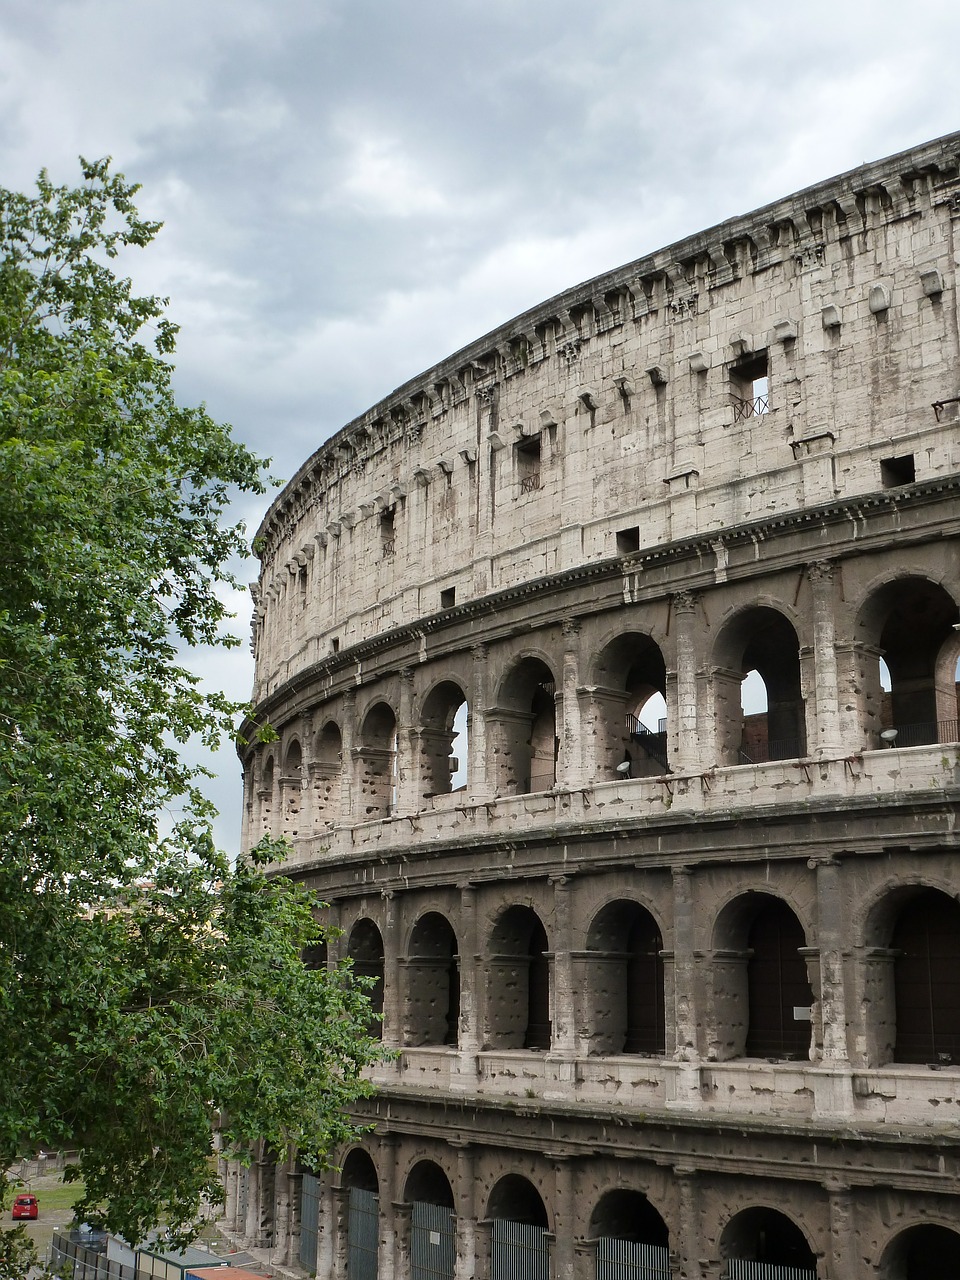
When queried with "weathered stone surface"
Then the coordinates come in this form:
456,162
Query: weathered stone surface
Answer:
657,983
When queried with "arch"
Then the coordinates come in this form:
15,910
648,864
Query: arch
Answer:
631,1237
926,1251
325,772
769,1238
365,949
629,671
359,1178
518,1230
432,969
761,639
291,788
624,987
926,979
266,794
518,990
524,729
440,715
377,760
433,1248
761,989
909,622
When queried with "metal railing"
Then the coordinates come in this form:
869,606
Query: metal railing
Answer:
742,1269
85,1263
749,408
654,744
529,483
626,1260
775,749
926,732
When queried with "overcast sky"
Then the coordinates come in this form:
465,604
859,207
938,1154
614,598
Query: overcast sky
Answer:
353,189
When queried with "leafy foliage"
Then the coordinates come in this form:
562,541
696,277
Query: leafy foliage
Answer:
146,986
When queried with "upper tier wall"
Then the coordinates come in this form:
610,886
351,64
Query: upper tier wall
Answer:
777,361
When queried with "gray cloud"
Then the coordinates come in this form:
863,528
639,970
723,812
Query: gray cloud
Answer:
353,188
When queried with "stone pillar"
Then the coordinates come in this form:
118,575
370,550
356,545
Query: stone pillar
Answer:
287,1198
466,1260
327,1216
403,1224
842,1261
563,1014
823,735
688,1246
348,740
682,722
469,1032
686,1011
387,1169
830,932
392,1002
231,1194
564,1210
408,756
478,780
341,1232
570,771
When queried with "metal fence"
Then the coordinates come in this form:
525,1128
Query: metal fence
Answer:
433,1242
83,1263
741,1269
518,1251
309,1221
926,732
627,1260
363,1235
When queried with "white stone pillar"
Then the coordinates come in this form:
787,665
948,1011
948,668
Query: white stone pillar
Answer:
826,738
570,772
563,1032
684,734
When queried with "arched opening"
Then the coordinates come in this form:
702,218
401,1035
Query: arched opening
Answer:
524,727
761,990
910,624
925,1252
265,796
758,1243
759,640
518,1230
432,1005
926,979
325,772
359,1179
365,949
443,740
378,762
518,991
291,789
631,1237
624,982
630,680
433,1245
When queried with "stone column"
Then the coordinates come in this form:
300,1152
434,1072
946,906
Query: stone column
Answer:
564,1210
563,1014
842,1261
392,1003
231,1191
686,1010
830,932
348,741
341,1232
823,736
478,780
688,1245
682,722
403,1225
408,763
465,1266
470,1032
386,1166
327,1218
571,771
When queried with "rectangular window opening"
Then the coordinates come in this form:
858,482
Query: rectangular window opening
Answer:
335,644
527,454
448,598
628,540
897,471
750,386
387,533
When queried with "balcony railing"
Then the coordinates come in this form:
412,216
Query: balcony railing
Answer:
775,749
924,733
749,408
654,744
529,483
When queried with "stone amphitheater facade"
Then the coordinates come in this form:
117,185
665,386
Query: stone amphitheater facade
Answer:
674,985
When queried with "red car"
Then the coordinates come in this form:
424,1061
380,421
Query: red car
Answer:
26,1207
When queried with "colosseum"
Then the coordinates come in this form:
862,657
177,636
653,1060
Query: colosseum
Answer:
613,662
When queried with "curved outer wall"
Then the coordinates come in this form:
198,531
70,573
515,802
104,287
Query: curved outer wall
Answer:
649,973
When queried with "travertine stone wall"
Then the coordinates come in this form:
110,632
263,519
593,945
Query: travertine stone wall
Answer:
648,983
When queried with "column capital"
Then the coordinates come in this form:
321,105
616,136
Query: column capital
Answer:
685,601
819,571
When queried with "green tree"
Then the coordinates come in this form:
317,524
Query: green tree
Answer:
147,987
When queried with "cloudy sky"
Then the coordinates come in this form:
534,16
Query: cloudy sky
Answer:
352,189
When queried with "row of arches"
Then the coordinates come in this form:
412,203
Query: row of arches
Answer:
752,689
763,971
627,1238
